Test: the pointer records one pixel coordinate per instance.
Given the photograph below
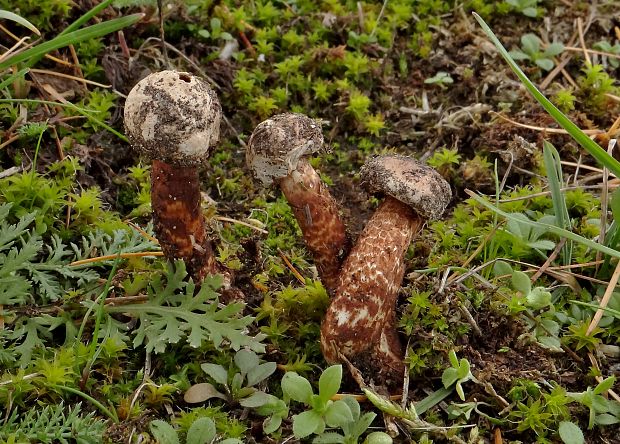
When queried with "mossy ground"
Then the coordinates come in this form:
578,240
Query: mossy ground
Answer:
409,77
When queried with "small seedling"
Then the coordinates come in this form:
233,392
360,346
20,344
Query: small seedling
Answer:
238,388
323,411
531,50
602,411
457,374
202,431
528,8
441,78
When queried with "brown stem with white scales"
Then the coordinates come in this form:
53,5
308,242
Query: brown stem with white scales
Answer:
318,217
360,322
179,222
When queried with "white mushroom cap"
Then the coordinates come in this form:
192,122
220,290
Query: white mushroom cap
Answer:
409,181
173,117
277,144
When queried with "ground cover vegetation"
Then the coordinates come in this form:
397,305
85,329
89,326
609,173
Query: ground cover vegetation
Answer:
509,308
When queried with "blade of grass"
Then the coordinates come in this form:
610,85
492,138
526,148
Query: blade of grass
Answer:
611,311
70,105
94,31
588,144
6,82
8,15
554,176
432,400
550,228
109,413
86,17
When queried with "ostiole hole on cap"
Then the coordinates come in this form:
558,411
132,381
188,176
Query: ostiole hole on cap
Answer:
185,77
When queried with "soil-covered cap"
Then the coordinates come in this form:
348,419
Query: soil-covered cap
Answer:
409,181
277,144
173,117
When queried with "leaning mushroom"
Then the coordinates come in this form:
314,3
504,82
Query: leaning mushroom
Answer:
360,323
173,118
276,153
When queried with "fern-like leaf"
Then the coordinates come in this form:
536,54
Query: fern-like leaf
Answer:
173,312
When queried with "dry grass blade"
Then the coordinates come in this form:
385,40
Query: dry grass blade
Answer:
114,256
590,132
604,301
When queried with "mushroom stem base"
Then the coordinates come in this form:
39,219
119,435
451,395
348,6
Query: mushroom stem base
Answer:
179,222
360,322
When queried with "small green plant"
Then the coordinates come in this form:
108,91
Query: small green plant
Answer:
201,431
528,8
605,46
323,411
602,411
594,86
457,374
565,99
544,328
445,161
531,50
358,106
53,424
353,431
240,387
442,79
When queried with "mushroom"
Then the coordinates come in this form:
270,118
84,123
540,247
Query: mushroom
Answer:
276,153
360,323
173,118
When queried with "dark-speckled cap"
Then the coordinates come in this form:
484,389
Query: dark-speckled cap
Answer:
409,181
277,144
173,117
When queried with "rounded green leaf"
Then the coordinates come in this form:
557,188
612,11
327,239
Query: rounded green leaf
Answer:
329,382
501,268
329,438
261,372
256,399
272,424
163,432
217,372
449,377
338,414
570,433
246,360
521,282
296,387
201,431
378,438
306,423
546,64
